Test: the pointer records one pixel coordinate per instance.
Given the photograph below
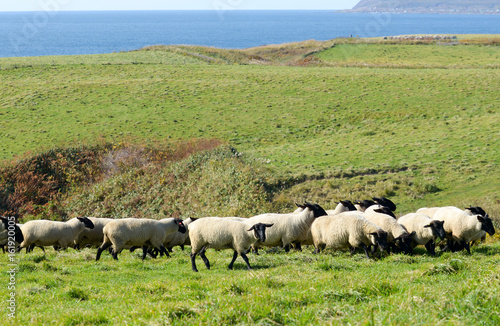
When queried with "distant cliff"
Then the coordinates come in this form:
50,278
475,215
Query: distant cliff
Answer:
429,6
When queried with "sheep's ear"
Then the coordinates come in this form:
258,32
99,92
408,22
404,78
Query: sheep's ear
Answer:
268,225
378,210
252,228
374,233
413,233
480,218
193,219
427,226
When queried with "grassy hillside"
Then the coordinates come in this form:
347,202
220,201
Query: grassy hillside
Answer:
428,133
192,131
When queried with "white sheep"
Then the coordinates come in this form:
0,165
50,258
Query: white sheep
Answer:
92,237
348,229
397,235
429,211
462,228
178,238
426,230
222,233
138,232
289,228
53,233
342,206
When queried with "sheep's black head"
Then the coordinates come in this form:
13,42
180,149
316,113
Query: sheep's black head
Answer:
404,242
364,204
18,237
87,222
382,201
437,228
317,210
348,204
380,239
486,224
259,230
182,227
476,210
385,210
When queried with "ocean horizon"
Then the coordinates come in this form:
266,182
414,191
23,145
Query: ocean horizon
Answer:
43,33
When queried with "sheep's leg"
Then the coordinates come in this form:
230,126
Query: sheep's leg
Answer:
144,252
317,249
245,258
114,254
298,246
205,259
255,250
193,263
235,255
353,250
431,247
164,251
287,248
365,248
153,252
466,246
182,247
103,247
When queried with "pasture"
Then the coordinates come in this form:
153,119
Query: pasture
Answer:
315,121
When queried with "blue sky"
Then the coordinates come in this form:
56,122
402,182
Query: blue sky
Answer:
41,5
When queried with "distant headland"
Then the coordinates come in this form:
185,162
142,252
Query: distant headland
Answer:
428,6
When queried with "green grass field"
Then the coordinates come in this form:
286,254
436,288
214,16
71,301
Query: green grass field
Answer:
70,288
315,121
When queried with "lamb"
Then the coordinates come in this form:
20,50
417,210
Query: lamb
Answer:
134,232
221,233
348,229
288,228
178,238
53,233
397,235
462,228
92,237
426,230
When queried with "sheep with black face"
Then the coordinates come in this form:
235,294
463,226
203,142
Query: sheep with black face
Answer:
348,229
425,229
222,233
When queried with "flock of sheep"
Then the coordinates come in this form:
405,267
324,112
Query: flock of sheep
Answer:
369,224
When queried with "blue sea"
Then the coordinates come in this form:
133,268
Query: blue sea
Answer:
60,33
